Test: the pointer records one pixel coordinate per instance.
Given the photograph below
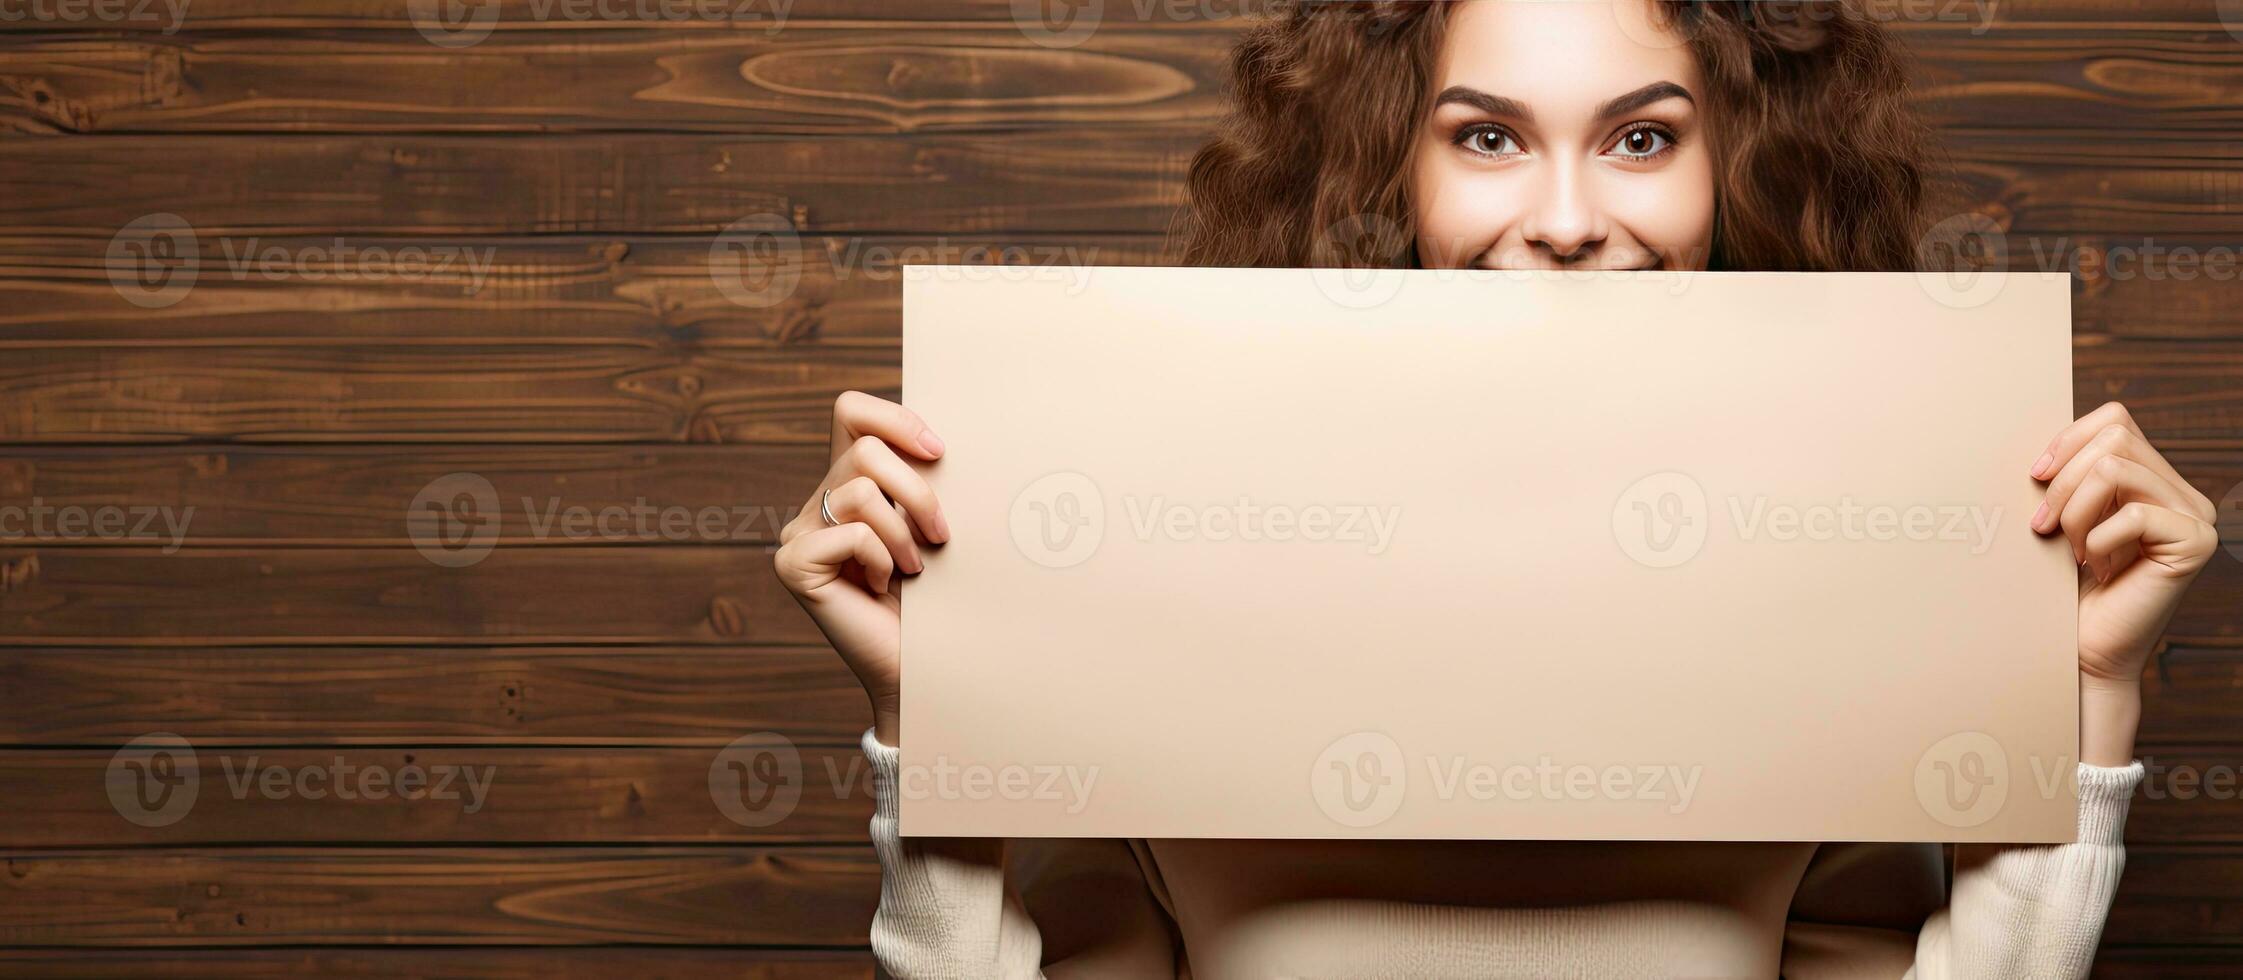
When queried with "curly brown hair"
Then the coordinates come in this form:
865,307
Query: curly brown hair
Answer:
1820,163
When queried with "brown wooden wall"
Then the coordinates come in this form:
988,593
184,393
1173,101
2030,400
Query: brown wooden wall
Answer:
597,362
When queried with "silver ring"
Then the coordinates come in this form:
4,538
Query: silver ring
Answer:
825,508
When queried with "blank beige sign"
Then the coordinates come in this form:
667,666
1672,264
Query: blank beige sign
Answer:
1290,553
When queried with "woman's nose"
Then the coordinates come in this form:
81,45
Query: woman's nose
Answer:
1564,221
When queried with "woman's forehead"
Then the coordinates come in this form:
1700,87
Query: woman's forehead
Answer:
1562,57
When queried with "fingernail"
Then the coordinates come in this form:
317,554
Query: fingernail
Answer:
2038,514
942,527
2040,465
931,442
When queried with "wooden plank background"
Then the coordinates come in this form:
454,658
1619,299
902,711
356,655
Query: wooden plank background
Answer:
593,360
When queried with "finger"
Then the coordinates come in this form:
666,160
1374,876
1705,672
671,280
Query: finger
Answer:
2170,541
811,564
856,415
2104,444
2112,422
2091,486
861,501
2076,436
871,457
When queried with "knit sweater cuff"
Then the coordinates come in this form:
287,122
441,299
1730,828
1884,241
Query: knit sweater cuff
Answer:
2104,792
887,760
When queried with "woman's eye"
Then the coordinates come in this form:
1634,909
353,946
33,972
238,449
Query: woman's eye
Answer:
1488,141
1642,143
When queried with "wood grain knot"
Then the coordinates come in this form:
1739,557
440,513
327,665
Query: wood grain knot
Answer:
726,617
18,572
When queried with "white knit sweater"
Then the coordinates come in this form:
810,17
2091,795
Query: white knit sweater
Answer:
1211,910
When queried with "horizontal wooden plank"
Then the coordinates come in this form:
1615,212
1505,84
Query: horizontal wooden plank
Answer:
891,77
799,896
2188,795
628,594
873,79
1018,183
668,293
206,794
640,594
2092,79
95,798
1911,16
2165,287
611,696
2186,394
365,495
434,393
795,896
2193,693
1049,182
484,963
513,696
2121,962
758,16
2124,187
2179,896
695,293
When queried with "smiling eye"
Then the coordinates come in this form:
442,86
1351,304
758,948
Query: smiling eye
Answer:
1642,143
1488,141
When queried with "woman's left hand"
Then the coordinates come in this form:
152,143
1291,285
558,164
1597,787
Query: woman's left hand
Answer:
2140,533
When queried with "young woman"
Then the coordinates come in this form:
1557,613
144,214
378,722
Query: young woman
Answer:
1608,135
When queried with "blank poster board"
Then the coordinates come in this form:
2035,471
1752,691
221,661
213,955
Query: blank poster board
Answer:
1282,553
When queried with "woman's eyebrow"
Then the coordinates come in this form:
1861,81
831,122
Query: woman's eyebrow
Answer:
1494,105
1654,92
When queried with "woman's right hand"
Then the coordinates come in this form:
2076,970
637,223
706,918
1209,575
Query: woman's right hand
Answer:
844,573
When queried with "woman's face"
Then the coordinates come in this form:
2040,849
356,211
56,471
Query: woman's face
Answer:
1564,135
